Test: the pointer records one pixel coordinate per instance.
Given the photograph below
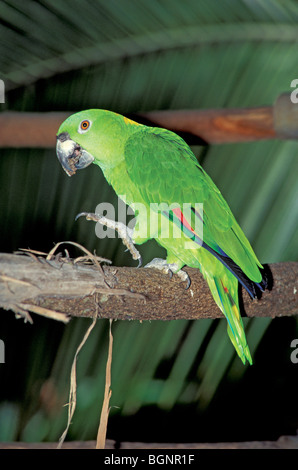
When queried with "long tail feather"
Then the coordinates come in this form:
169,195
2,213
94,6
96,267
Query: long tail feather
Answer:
235,325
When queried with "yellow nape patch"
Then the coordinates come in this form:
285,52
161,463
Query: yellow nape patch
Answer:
129,121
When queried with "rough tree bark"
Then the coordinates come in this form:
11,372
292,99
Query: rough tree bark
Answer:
60,289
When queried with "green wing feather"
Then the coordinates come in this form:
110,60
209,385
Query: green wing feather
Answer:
164,169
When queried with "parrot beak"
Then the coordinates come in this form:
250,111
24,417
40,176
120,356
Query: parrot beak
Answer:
71,155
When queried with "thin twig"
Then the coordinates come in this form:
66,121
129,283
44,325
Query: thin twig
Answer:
73,384
46,312
104,416
90,255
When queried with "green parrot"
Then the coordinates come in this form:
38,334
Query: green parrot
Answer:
154,168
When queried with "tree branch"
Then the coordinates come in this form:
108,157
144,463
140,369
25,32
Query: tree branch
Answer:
214,126
283,442
61,288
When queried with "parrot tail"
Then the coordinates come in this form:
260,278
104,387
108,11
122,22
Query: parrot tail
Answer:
235,325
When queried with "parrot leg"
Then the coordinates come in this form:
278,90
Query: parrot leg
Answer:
169,268
125,233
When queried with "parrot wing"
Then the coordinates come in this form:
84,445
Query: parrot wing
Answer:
165,170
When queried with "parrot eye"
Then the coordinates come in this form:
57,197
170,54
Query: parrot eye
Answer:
84,126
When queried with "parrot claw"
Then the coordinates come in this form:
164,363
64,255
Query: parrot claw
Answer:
80,215
125,233
90,216
184,277
170,269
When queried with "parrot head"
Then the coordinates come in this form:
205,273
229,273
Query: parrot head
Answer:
70,137
89,136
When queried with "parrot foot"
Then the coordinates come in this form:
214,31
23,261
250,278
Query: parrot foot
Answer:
125,233
169,268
